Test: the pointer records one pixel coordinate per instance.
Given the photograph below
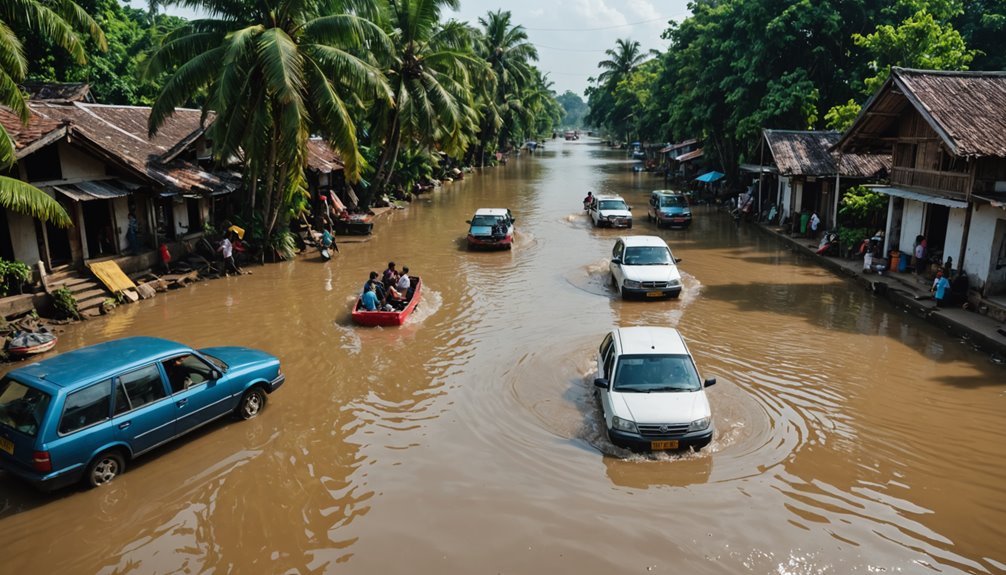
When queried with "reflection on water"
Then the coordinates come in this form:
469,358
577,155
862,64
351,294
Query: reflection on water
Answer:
850,437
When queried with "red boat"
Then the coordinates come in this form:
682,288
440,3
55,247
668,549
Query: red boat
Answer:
31,342
387,318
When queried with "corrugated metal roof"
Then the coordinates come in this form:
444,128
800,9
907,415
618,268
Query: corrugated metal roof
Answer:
690,155
94,190
920,197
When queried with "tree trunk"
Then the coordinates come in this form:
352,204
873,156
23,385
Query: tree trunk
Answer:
388,156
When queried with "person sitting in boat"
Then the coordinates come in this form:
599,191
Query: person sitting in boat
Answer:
404,282
395,300
369,298
390,276
373,282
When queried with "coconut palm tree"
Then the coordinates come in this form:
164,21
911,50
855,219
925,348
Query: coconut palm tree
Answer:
626,56
58,22
430,74
622,61
509,54
273,73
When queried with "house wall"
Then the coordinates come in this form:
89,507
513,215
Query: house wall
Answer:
912,220
77,165
120,210
22,238
955,236
785,197
181,216
982,244
798,196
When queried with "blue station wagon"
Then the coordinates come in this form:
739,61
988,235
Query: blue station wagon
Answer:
84,414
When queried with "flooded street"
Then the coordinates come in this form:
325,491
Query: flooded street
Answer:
850,436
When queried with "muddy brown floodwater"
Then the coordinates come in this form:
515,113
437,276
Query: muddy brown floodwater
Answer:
851,437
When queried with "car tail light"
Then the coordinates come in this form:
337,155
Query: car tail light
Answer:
41,461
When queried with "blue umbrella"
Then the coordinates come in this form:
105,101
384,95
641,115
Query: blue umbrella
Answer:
710,176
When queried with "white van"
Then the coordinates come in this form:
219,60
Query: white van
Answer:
651,394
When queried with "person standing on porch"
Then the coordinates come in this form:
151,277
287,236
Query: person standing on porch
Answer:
920,255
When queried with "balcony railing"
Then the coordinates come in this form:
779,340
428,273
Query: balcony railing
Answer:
931,180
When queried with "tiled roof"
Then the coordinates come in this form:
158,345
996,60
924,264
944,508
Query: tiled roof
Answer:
121,132
966,109
807,153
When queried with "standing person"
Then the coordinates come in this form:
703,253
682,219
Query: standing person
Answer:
941,285
226,249
920,256
165,258
815,222
132,229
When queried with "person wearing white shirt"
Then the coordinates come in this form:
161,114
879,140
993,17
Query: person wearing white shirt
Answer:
403,281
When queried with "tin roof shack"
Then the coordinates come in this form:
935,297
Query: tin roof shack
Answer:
946,132
802,173
680,160
98,162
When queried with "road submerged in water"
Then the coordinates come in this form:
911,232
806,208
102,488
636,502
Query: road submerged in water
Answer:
850,436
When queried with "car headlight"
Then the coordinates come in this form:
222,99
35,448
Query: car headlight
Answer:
687,214
623,425
632,284
674,283
699,424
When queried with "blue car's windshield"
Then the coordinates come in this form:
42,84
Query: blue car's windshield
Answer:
673,202
649,373
647,256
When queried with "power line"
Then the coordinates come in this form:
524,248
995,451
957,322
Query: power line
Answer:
597,29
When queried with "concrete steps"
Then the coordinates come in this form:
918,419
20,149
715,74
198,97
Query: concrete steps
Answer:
87,290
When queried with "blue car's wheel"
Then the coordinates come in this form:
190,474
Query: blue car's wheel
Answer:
252,403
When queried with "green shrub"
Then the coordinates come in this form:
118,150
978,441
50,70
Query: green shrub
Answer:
13,275
283,244
65,304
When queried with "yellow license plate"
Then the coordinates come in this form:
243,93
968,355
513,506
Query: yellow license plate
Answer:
654,293
7,445
660,445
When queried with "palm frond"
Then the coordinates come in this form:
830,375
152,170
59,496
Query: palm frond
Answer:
191,76
21,197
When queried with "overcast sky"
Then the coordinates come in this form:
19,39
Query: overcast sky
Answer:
572,35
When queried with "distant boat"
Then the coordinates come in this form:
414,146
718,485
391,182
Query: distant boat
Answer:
31,342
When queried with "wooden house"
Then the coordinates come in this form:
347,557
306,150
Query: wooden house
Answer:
946,132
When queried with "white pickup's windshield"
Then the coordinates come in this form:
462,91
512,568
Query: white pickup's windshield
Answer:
484,220
612,205
653,373
647,256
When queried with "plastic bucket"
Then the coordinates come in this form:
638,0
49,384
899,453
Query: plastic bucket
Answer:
895,260
903,264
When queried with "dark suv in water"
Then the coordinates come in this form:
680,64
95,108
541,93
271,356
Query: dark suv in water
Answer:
669,209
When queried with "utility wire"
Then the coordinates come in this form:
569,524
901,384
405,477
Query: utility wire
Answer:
662,19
